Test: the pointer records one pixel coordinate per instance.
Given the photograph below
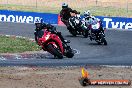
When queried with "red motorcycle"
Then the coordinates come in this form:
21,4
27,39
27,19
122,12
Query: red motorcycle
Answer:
52,43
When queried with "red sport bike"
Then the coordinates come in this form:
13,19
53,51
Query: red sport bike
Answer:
52,43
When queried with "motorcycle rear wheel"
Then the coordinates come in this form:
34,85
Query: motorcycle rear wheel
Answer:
73,32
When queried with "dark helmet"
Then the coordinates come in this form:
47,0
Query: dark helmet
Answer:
75,11
38,23
64,5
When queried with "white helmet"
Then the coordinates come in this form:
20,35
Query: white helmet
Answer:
87,13
64,5
78,16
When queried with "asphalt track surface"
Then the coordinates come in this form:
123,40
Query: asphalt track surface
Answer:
117,52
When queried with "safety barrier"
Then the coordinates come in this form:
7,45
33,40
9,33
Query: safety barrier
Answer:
116,22
26,17
31,17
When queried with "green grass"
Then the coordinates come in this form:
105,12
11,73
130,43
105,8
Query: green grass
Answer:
16,45
96,10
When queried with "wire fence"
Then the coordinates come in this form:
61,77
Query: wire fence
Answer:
98,7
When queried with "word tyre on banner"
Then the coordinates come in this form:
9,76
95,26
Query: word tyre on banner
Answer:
111,22
116,22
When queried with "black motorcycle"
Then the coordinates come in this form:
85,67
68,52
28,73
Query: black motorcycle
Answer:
75,27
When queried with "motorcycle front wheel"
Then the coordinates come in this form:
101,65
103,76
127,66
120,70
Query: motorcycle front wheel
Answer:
54,51
103,40
85,33
69,53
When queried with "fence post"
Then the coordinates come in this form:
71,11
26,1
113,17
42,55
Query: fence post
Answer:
127,8
6,1
96,2
36,4
6,4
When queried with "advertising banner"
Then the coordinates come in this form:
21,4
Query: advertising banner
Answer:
31,17
116,22
26,17
111,22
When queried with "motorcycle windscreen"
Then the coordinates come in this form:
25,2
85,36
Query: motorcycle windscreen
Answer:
95,27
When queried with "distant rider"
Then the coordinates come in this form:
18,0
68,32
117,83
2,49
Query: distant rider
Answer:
65,13
75,20
41,25
88,18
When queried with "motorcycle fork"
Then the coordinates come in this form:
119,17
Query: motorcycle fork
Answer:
66,47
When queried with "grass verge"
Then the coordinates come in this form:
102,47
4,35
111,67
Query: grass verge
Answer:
16,45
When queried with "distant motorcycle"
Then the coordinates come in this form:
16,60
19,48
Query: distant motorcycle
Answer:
96,32
52,43
75,27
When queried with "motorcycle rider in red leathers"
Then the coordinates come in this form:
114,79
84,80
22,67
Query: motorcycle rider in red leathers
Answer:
41,25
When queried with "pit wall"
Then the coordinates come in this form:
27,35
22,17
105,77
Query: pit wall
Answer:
31,17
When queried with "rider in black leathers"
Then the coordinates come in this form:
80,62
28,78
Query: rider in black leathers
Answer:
65,13
76,22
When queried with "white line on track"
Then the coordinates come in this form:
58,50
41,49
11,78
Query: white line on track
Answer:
76,51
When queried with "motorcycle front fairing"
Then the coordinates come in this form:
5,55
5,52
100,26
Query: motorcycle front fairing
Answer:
49,38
